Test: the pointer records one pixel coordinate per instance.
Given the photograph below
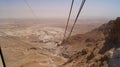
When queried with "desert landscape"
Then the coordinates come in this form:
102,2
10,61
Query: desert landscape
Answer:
59,33
31,43
27,43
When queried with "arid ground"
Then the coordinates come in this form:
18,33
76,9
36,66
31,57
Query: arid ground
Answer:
34,43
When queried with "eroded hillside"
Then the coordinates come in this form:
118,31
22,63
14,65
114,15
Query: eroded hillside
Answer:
40,46
97,44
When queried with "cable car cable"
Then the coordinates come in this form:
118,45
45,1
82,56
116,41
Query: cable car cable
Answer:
32,11
68,20
80,9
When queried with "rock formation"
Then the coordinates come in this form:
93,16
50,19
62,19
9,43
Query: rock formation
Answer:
96,46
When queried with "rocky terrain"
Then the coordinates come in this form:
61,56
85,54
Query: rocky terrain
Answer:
97,46
36,45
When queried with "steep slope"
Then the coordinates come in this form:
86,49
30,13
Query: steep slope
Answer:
92,49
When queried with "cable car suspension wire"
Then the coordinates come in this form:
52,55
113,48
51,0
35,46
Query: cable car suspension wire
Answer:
80,9
32,11
68,20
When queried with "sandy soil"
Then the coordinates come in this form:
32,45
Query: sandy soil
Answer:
28,43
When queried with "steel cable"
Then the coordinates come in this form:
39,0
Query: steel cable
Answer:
80,9
68,20
32,11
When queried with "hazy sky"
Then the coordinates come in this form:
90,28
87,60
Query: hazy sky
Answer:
58,9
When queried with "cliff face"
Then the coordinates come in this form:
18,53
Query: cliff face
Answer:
92,49
112,35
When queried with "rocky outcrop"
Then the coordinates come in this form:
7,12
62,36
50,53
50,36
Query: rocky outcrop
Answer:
95,45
